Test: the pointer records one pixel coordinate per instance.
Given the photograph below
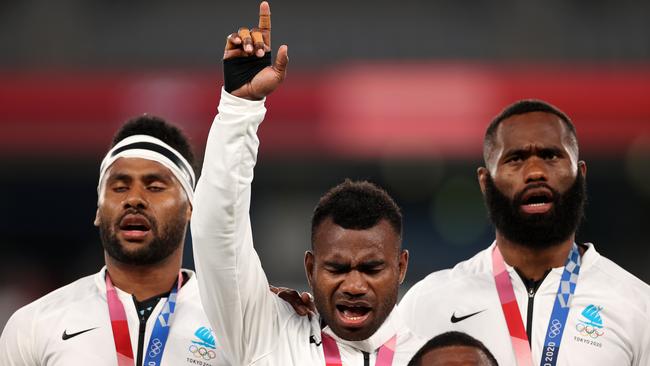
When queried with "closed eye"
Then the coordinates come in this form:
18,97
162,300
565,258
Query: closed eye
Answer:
372,271
336,268
372,267
156,188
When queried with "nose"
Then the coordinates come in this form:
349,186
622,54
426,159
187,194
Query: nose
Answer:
135,198
354,284
535,170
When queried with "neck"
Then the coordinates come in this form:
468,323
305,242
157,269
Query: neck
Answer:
144,281
534,262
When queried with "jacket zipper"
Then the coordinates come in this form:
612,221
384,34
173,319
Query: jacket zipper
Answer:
529,322
531,288
141,330
366,359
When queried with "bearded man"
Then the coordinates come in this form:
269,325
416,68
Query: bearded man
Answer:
535,296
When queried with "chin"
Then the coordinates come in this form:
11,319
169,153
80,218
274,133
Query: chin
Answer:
356,334
359,335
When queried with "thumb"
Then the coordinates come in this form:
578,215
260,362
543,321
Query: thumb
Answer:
281,60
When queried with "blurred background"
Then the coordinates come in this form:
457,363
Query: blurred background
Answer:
396,92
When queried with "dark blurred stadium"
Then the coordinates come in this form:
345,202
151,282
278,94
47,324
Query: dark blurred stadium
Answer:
397,92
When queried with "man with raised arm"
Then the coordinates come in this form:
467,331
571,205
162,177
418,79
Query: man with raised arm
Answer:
354,268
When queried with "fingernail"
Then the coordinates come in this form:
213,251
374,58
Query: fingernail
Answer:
260,52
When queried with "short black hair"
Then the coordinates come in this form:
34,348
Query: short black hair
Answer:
357,205
450,339
160,129
522,107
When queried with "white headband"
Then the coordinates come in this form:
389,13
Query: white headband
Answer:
150,148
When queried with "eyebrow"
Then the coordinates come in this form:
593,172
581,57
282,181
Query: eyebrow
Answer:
119,177
528,152
361,266
371,264
156,177
152,177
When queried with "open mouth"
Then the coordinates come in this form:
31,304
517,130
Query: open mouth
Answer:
134,227
537,201
353,315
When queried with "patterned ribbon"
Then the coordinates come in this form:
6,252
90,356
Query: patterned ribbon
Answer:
120,326
561,307
333,356
518,337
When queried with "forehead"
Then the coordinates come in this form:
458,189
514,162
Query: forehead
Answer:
534,128
453,356
136,168
334,241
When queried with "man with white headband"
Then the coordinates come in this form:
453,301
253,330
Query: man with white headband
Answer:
141,308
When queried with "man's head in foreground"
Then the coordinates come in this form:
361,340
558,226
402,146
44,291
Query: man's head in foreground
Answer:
145,193
357,262
453,349
533,182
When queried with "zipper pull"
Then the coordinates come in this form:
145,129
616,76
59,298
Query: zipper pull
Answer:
531,292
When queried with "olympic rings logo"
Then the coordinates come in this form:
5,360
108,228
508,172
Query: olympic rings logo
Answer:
555,328
589,331
156,347
202,352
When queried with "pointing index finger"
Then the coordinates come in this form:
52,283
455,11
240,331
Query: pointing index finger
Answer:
265,22
265,16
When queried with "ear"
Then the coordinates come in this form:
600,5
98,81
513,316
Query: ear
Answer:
97,220
309,267
188,212
583,168
403,264
482,174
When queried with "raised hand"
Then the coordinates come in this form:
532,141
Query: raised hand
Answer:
255,43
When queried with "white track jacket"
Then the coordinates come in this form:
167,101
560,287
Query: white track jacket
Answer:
608,322
71,327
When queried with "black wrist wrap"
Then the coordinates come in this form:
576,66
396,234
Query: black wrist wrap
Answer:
240,70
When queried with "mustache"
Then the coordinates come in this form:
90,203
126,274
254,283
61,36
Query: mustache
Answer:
518,198
136,211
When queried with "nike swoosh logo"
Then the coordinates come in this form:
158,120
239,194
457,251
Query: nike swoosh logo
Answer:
67,336
455,319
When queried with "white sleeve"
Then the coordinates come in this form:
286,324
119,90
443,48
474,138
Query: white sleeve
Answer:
234,289
16,341
644,352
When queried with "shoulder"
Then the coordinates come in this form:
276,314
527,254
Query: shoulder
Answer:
30,325
464,276
608,277
59,300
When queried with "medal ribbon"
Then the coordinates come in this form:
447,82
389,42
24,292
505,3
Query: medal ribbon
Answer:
555,329
120,327
333,356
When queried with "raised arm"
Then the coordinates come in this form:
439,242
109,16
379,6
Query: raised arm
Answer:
234,289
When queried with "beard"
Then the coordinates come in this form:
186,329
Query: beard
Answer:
161,246
537,231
